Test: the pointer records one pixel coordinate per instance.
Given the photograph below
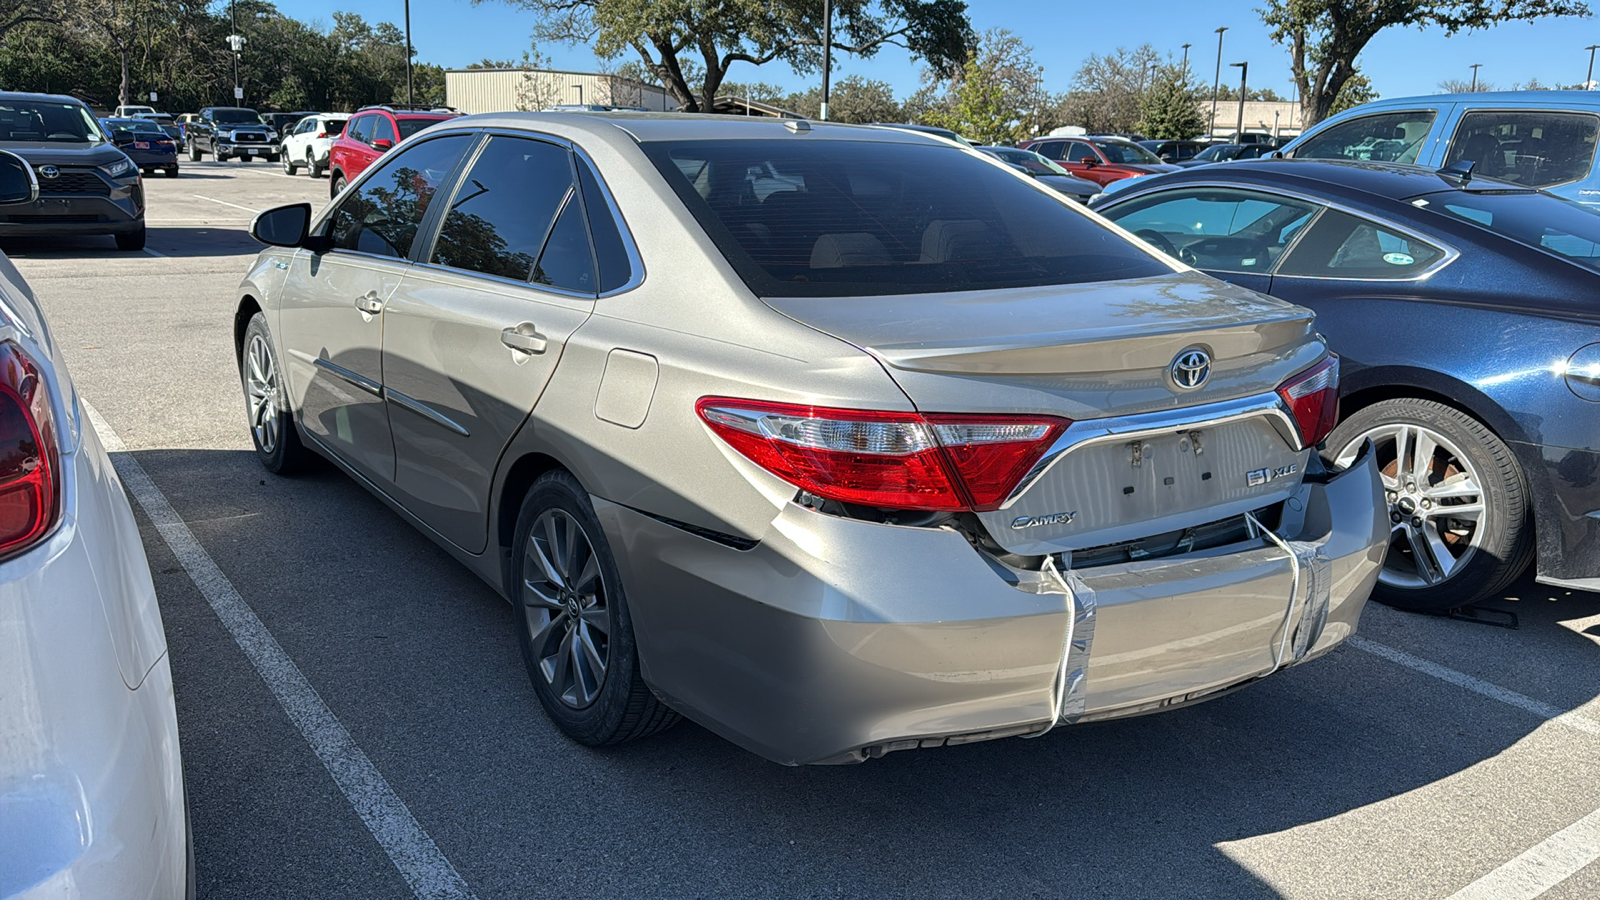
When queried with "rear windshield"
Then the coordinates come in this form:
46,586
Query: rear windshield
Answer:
408,127
1562,227
333,126
801,217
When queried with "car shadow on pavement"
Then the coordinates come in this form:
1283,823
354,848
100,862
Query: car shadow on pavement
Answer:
418,660
188,241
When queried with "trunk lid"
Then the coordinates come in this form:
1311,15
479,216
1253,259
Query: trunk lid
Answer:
1143,456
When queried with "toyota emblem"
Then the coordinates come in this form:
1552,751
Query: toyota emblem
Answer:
1191,368
49,172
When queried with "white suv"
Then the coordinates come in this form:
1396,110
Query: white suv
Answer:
306,143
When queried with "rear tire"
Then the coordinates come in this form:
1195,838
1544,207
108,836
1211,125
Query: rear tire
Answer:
1447,560
131,241
573,623
272,428
312,166
170,171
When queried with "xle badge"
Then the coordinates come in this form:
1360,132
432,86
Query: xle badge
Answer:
1259,477
1061,518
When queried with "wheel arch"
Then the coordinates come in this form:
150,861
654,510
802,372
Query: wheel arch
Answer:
519,477
248,307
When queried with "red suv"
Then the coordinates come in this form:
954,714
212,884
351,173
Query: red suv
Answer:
1102,160
372,132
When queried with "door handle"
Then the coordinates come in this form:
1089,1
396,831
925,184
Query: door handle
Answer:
369,303
524,338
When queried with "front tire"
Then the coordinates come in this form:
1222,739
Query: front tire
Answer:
573,623
133,240
272,427
337,185
1456,500
289,167
194,153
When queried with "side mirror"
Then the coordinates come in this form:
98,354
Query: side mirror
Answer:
18,185
383,145
283,226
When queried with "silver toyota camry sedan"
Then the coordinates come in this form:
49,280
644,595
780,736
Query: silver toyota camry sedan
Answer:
836,440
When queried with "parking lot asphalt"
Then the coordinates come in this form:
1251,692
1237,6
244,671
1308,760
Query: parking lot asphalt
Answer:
1431,757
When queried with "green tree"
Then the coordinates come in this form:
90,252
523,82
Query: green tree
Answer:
999,96
1357,90
1171,109
1107,90
851,99
1326,36
674,37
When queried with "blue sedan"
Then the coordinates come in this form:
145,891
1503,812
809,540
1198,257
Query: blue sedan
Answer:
1464,310
145,143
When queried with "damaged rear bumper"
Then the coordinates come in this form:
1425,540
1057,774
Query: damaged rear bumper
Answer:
833,640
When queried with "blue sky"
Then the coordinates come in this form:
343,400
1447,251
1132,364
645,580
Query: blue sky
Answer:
1401,62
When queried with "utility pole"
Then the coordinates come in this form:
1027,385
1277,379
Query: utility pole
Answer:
1244,76
410,96
1588,80
1216,82
827,52
1475,67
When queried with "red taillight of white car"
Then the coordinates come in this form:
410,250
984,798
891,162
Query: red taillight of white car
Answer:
1313,400
30,458
895,460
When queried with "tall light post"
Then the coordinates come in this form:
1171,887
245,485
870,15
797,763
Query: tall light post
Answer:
1588,80
1475,68
827,52
1244,76
235,42
410,96
1186,61
1216,82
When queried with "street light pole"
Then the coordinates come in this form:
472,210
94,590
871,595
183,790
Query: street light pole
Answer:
1216,82
410,96
1588,80
1186,62
827,52
1475,67
1244,76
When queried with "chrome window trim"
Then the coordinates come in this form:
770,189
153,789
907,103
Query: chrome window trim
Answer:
1450,253
340,372
1517,109
1090,432
508,282
424,410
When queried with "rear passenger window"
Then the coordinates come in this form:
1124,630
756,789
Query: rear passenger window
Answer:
1340,245
382,215
1538,149
1214,228
610,252
1077,151
1385,137
502,221
1049,149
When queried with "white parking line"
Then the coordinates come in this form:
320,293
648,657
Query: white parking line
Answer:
1571,719
225,203
409,847
149,252
1542,866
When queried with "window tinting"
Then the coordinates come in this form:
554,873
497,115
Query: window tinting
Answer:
1566,229
1215,228
1340,245
361,129
408,127
612,255
382,215
1078,151
1385,137
1538,149
868,217
382,129
1127,152
1050,149
566,261
503,210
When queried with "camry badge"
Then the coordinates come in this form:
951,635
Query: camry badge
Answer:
49,172
1190,369
1060,518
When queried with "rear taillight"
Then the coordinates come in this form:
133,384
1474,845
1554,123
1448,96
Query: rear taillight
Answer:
322,134
30,460
1313,399
895,460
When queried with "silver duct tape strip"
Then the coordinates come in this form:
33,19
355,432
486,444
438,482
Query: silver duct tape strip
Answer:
1074,697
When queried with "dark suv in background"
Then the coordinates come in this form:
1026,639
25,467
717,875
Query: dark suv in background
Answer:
232,131
86,185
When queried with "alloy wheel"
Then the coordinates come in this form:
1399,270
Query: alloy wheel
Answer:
568,620
1435,503
261,390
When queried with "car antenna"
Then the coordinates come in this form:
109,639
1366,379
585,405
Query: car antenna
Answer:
1461,170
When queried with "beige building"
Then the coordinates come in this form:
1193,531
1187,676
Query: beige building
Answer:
1280,118
500,90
